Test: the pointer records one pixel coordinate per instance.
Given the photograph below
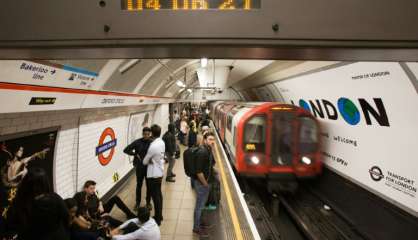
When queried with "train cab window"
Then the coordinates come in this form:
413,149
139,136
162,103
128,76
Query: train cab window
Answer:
308,135
255,134
283,132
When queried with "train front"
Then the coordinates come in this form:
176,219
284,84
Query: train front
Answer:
295,142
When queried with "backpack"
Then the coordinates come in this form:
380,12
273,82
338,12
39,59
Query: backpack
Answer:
189,157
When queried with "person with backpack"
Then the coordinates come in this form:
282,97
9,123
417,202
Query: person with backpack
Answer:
169,139
203,169
138,149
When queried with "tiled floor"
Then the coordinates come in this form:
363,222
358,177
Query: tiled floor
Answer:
178,205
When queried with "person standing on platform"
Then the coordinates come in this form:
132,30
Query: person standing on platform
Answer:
155,171
184,128
138,149
169,139
176,116
192,134
203,169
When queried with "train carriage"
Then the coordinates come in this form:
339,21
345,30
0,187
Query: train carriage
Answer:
274,141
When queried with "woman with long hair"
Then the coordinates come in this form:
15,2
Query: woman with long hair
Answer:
192,141
37,212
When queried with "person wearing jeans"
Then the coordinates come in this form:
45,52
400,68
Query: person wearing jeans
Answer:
203,168
202,193
155,170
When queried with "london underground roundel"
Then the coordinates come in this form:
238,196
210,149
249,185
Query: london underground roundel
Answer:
107,143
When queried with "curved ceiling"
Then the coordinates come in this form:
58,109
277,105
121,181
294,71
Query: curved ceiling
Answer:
158,77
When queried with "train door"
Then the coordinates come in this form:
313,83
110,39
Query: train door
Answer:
282,138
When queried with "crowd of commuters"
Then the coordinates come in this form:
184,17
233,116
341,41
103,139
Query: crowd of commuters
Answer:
188,123
39,213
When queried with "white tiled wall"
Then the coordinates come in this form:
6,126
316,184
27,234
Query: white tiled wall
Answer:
89,167
66,155
161,117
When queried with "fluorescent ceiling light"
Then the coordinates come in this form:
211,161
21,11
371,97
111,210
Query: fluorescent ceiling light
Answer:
203,62
180,83
128,65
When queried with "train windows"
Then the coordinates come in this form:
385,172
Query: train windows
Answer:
255,134
308,135
234,136
229,122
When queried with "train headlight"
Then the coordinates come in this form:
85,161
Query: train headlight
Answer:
306,160
255,160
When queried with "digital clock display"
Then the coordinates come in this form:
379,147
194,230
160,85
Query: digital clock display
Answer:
140,5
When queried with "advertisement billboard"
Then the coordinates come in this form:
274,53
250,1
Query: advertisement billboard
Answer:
368,115
18,154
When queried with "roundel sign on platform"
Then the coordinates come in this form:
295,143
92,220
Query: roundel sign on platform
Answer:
107,143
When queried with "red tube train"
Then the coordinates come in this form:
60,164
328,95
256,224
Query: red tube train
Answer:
273,141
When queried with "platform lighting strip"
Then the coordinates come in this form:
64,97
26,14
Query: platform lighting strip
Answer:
139,5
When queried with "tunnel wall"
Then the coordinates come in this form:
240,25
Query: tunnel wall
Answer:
366,111
78,137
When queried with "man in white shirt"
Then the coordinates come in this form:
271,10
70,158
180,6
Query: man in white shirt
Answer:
141,228
155,170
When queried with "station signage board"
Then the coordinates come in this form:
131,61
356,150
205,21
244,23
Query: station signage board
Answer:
140,5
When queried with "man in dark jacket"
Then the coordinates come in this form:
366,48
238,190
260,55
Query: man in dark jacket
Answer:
138,149
169,139
201,182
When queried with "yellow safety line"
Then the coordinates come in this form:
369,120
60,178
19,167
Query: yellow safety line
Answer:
231,205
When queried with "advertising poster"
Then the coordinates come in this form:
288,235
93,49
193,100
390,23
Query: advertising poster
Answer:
368,114
136,123
18,154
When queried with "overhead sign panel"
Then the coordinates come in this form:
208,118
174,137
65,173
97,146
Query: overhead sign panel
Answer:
139,5
45,73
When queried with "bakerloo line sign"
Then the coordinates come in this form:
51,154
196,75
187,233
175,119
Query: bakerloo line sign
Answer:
348,110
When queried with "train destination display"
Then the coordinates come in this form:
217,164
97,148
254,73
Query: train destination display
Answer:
140,5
